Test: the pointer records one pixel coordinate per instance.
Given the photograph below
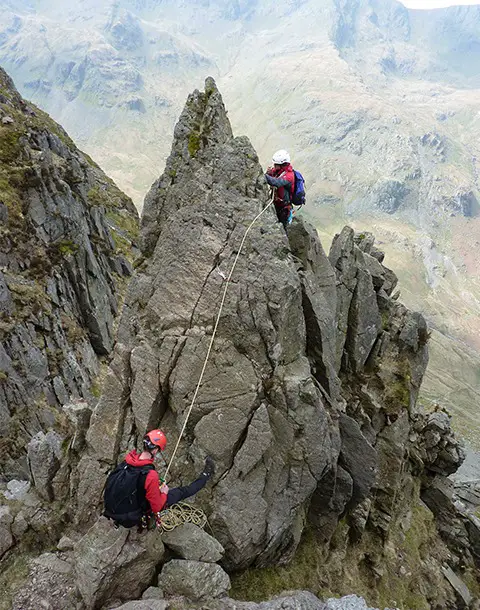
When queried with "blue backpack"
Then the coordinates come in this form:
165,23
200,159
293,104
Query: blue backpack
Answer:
298,189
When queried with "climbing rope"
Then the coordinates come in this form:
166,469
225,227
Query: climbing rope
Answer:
222,302
180,513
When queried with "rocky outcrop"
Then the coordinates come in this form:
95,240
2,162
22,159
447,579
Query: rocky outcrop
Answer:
308,404
195,580
260,412
65,242
189,541
115,563
295,600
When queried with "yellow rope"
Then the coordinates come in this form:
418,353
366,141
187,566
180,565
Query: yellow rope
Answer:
227,282
180,513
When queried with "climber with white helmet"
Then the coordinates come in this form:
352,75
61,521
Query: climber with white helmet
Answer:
133,494
282,178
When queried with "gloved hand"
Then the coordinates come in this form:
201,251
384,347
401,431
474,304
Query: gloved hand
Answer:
164,488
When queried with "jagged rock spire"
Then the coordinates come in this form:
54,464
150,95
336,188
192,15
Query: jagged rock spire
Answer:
260,412
203,125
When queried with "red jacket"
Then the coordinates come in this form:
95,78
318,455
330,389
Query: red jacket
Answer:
283,179
155,498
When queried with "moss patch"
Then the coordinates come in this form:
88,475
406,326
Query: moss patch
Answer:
193,143
98,197
30,298
14,572
10,144
304,572
393,574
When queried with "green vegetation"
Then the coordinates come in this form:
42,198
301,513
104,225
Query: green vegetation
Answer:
304,572
14,573
96,390
193,143
397,395
396,375
210,90
124,222
9,144
72,329
98,197
30,298
67,247
395,573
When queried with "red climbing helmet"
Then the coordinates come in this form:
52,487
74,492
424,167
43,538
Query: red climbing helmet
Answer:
155,439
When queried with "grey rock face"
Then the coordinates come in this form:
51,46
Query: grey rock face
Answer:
388,195
6,538
342,259
452,523
194,579
190,542
49,584
350,602
44,454
319,304
440,451
16,490
358,458
152,593
289,600
147,604
464,596
260,412
115,563
59,286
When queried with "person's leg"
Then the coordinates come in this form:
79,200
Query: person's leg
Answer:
177,494
283,215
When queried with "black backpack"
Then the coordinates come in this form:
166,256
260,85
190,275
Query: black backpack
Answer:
124,497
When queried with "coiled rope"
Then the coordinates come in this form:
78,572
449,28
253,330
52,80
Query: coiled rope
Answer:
217,321
180,513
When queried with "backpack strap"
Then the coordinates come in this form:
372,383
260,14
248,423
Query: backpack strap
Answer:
141,492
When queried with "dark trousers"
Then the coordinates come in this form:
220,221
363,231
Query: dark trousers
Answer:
177,494
283,213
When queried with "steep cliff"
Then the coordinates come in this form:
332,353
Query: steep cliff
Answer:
308,407
391,140
66,238
308,402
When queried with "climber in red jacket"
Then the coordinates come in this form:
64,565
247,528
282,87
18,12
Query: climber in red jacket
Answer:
133,491
282,179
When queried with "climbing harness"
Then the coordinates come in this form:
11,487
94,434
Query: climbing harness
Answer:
222,302
180,513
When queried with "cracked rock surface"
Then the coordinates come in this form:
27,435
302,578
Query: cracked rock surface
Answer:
308,404
65,238
271,407
260,412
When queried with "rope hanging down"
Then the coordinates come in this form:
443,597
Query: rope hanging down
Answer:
227,282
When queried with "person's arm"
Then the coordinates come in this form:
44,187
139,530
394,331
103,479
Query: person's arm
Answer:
277,182
155,497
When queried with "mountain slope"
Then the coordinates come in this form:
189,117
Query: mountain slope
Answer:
308,407
377,103
66,240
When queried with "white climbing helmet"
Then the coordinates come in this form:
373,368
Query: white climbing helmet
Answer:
281,157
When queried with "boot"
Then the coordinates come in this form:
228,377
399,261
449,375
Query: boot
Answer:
208,468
